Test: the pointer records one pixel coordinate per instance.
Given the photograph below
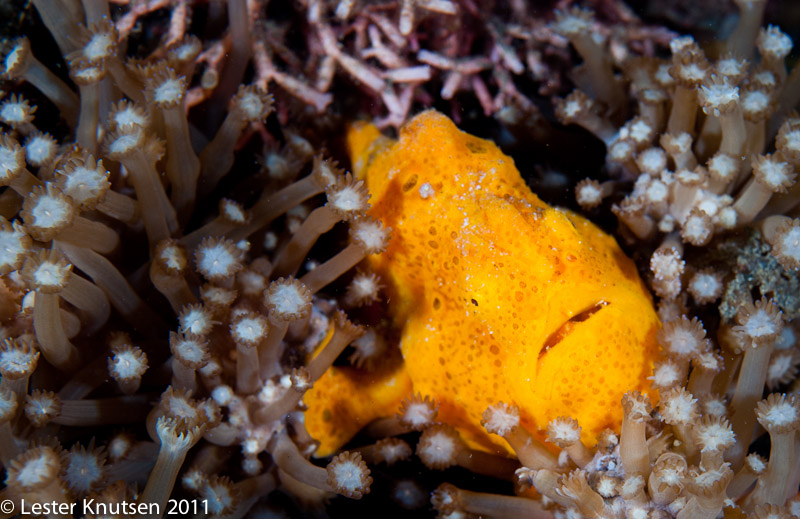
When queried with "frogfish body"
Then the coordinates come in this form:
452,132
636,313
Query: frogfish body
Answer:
496,296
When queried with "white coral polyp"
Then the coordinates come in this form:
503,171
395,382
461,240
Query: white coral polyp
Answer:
249,329
500,419
127,364
288,299
99,47
170,91
349,475
173,258
11,246
760,324
252,106
418,414
10,161
13,112
217,261
790,243
84,184
565,431
371,235
124,143
50,274
51,212
40,149
347,199
233,212
196,322
781,414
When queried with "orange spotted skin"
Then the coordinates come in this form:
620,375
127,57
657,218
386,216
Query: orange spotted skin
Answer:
345,399
497,296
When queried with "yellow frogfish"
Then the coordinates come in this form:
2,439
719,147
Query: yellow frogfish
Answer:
496,296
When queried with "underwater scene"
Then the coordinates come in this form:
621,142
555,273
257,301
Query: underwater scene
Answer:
409,258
